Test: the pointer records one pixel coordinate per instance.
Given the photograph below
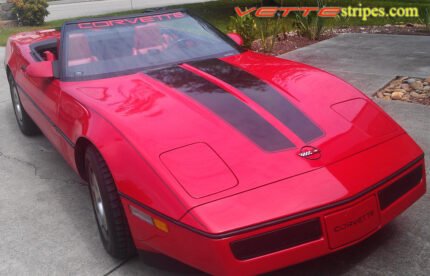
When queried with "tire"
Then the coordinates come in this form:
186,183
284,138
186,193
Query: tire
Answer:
108,210
25,123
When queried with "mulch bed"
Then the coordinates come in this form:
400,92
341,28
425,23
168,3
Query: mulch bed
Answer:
405,29
290,42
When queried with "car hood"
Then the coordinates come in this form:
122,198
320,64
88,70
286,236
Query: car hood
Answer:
219,127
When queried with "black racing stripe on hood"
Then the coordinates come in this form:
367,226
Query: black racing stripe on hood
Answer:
225,105
263,94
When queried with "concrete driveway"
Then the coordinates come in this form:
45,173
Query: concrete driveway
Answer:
46,221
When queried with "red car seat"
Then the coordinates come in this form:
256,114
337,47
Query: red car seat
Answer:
49,56
79,51
148,37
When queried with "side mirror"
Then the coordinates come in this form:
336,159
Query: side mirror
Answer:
236,38
41,69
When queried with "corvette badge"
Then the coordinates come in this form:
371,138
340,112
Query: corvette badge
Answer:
310,152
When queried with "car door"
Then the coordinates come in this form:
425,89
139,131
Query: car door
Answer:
42,96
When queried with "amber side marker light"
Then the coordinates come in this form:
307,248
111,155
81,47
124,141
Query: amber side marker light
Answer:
160,225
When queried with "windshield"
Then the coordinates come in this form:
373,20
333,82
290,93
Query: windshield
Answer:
97,49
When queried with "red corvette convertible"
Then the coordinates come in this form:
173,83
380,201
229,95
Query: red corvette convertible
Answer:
228,160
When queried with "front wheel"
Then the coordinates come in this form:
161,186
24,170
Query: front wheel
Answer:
111,220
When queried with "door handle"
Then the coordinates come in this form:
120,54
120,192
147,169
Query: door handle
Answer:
23,68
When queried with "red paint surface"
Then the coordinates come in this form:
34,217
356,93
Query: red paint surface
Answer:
353,223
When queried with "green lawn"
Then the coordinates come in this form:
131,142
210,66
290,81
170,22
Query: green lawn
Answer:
218,12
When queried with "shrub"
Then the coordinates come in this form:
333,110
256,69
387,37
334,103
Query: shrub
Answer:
245,26
265,29
425,18
311,26
268,31
31,12
342,21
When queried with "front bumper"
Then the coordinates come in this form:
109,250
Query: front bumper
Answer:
342,225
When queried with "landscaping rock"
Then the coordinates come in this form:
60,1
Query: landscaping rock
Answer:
427,80
397,95
417,85
406,87
406,97
396,83
418,96
399,90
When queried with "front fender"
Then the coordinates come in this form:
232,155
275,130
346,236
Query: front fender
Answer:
133,174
